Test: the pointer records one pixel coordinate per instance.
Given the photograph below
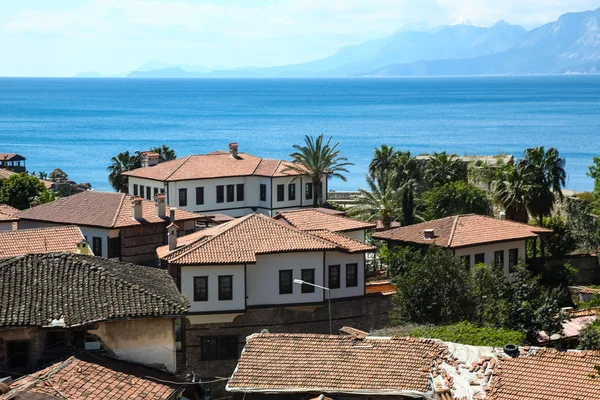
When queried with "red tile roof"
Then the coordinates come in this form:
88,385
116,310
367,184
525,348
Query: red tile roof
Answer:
311,219
8,213
344,242
101,209
214,165
548,374
44,240
335,364
462,231
91,377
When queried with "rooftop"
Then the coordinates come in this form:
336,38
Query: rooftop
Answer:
93,377
11,157
42,240
214,165
8,213
311,219
462,231
101,209
36,289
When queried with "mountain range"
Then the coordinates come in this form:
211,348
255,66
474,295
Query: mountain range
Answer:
569,45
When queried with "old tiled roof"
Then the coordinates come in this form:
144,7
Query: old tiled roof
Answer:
101,209
80,289
42,240
548,374
11,157
310,219
344,242
214,165
583,290
335,364
8,213
92,377
462,231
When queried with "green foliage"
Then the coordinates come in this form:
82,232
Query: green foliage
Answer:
492,296
583,226
467,333
455,198
379,202
561,242
123,162
594,302
46,197
558,273
443,168
589,337
512,192
319,159
19,190
397,260
165,153
594,173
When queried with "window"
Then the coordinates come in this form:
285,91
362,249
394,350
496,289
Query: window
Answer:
162,190
285,281
114,247
513,259
97,246
199,196
135,190
499,258
17,354
292,191
239,192
220,194
201,288
55,339
182,197
280,192
219,348
351,275
226,287
155,192
142,190
334,277
148,192
467,262
263,192
308,275
230,193
308,190
479,258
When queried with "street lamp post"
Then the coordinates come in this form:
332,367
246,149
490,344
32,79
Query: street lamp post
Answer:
301,282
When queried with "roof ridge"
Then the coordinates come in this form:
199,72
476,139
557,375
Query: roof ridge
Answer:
291,228
114,221
57,368
187,158
258,165
451,238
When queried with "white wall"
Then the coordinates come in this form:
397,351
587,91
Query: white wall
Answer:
489,251
341,259
357,235
145,182
213,271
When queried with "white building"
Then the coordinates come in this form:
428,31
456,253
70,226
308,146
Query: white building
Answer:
8,217
231,183
252,262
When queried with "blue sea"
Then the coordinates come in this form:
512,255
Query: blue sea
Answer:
79,124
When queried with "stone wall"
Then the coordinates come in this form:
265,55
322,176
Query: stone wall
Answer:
139,243
587,266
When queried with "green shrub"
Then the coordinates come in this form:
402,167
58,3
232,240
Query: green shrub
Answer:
467,333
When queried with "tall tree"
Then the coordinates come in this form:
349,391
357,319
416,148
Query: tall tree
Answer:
455,198
123,162
512,191
379,203
382,162
165,153
442,168
319,159
19,190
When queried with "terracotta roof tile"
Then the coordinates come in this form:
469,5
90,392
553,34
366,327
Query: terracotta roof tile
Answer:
548,374
37,288
102,209
335,364
463,230
43,240
91,377
583,290
213,165
8,213
344,242
310,219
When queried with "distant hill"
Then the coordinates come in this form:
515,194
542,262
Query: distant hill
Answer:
166,73
159,65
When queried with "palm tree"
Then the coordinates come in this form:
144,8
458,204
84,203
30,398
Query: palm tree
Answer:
165,153
121,163
379,202
512,192
443,168
318,159
545,173
383,160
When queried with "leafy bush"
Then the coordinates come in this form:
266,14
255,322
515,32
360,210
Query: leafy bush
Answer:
455,198
467,333
589,337
19,190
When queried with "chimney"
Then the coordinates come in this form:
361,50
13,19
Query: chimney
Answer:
429,234
136,207
83,247
160,205
172,236
233,149
148,159
502,215
172,215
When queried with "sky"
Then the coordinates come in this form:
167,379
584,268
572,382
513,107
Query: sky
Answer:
66,37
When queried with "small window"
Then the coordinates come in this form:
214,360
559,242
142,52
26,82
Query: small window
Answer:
499,258
479,258
308,191
182,197
17,354
239,192
114,247
199,196
263,192
162,190
220,194
226,287
97,246
55,339
201,288
219,348
467,262
142,188
280,192
308,275
136,190
292,191
513,259
351,275
230,193
334,277
285,281
155,191
148,193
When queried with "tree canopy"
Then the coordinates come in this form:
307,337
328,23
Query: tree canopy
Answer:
19,190
455,198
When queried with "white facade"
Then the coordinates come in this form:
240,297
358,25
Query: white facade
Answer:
488,253
238,206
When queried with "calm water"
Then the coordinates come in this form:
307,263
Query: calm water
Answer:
78,124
